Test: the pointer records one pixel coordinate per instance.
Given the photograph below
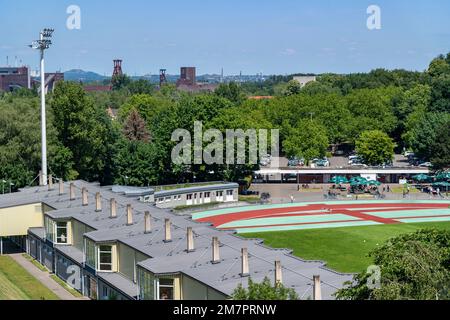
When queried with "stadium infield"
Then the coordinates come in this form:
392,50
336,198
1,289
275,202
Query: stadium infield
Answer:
340,233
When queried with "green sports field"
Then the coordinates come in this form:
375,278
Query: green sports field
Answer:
17,284
343,249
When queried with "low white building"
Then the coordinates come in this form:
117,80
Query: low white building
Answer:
304,80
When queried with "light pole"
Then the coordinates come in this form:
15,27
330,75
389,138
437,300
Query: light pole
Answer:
3,186
43,44
10,185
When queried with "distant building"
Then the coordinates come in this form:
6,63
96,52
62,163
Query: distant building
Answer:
14,78
188,82
187,76
304,80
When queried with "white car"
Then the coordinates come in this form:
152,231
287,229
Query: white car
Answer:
426,165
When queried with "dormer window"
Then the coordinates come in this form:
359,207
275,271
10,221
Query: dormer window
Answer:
105,258
61,232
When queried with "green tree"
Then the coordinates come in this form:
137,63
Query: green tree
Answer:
264,291
440,149
375,147
82,128
413,266
308,140
423,135
231,91
120,81
293,87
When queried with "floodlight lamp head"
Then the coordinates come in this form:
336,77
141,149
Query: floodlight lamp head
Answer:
47,32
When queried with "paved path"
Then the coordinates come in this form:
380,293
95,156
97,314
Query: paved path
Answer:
44,278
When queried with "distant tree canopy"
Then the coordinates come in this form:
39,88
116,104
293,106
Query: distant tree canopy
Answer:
375,112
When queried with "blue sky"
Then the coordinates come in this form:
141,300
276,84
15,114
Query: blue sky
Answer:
269,36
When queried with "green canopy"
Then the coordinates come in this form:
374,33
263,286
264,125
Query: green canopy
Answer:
374,183
441,184
443,176
422,178
339,180
360,180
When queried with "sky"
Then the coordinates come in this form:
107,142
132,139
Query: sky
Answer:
252,36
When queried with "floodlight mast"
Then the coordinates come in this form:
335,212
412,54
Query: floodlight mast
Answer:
42,44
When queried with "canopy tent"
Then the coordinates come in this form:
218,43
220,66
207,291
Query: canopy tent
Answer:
422,178
339,180
443,176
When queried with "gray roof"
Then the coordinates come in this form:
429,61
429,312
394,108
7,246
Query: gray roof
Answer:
171,257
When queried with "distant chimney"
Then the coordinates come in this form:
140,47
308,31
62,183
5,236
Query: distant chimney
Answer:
317,289
84,197
190,240
61,187
168,231
72,191
129,215
98,202
112,208
278,275
148,222
50,182
244,263
215,250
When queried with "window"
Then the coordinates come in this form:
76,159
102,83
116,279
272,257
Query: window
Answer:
49,229
105,258
105,292
200,195
229,192
166,289
189,197
207,194
61,232
90,253
219,193
146,285
168,199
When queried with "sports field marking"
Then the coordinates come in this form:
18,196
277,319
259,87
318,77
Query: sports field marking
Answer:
324,215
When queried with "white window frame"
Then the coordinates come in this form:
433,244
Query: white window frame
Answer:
99,266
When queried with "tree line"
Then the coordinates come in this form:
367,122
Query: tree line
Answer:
375,112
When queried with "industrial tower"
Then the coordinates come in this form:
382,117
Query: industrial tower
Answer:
117,68
162,77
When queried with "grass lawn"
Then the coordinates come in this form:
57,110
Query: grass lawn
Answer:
17,284
74,292
343,249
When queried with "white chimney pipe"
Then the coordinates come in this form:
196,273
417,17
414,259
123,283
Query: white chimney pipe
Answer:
278,274
148,222
168,231
98,202
61,187
317,288
84,197
50,182
215,250
190,240
129,215
112,208
72,192
244,263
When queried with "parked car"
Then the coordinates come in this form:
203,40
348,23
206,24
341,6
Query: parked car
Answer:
426,165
